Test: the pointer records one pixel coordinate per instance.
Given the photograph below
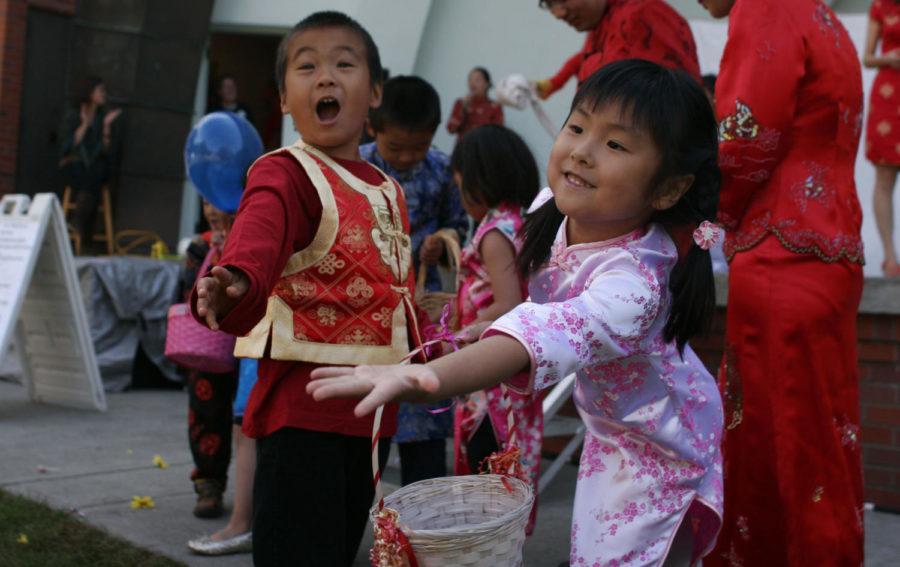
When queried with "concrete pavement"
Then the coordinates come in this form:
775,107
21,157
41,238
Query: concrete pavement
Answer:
96,462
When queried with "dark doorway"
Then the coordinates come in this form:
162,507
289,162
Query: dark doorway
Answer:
250,60
43,101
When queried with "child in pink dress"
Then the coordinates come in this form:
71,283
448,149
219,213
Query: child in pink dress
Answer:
614,298
498,178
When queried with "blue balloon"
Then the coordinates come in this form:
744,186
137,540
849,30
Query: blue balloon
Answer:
219,149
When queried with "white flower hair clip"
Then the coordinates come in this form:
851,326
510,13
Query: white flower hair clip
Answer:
707,235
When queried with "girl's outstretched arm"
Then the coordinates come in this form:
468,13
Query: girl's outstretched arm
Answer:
476,367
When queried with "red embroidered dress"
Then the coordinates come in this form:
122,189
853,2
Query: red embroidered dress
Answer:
790,113
345,299
789,100
883,125
480,111
643,29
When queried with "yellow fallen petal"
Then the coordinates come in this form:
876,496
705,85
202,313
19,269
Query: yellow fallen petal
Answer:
142,502
23,539
160,462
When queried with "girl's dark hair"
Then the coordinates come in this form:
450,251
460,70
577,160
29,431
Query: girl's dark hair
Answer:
86,88
484,73
674,110
496,167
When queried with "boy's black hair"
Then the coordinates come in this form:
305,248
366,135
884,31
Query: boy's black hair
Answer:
407,102
328,19
674,110
496,167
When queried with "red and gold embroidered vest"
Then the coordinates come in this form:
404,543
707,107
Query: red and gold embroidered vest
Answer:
347,297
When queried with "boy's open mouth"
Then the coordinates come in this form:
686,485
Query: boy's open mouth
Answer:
327,109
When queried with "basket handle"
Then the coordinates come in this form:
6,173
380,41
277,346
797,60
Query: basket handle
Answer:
454,253
207,261
511,428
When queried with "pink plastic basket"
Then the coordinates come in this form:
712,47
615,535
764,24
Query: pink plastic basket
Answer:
194,346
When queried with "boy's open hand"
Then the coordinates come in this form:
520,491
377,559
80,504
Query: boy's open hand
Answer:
377,385
218,293
432,249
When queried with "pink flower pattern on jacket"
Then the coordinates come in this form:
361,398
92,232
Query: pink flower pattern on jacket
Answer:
651,458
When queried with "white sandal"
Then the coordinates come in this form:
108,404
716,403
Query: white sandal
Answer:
205,545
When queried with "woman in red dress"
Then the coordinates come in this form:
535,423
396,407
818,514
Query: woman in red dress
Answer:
621,29
475,109
883,127
789,99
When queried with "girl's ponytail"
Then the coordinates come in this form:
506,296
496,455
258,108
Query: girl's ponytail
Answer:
692,283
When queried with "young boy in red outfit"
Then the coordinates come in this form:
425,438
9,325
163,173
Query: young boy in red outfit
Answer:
317,271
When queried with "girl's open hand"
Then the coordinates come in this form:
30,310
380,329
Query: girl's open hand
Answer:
218,293
377,385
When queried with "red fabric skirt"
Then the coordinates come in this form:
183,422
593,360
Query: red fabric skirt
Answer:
883,124
789,380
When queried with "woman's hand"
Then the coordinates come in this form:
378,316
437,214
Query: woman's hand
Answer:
377,385
892,59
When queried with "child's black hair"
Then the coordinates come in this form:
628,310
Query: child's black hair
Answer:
328,19
673,108
407,102
496,167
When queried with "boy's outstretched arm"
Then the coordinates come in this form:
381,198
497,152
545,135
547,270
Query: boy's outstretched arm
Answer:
476,367
279,214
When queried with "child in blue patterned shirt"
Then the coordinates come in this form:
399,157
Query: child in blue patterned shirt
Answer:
404,127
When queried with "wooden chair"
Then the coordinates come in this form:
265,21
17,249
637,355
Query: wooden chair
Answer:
105,208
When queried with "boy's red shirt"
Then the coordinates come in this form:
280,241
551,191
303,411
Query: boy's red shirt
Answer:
278,216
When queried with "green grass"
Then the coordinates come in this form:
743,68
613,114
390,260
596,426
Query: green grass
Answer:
59,539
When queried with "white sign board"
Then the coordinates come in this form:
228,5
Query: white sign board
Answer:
41,305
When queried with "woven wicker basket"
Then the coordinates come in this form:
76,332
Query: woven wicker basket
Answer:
433,302
465,521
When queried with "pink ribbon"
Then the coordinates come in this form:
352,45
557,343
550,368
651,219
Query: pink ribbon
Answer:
707,235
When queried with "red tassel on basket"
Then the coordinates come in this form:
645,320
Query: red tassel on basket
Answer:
391,544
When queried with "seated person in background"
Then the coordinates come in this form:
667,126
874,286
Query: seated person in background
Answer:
87,152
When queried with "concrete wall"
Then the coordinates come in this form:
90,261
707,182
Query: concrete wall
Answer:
505,37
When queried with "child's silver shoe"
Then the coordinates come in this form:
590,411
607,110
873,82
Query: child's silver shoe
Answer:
205,545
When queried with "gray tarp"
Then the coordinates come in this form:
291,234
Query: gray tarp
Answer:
127,299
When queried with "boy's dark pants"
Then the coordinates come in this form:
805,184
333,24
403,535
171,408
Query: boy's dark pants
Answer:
311,497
